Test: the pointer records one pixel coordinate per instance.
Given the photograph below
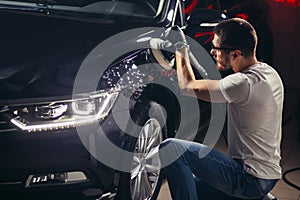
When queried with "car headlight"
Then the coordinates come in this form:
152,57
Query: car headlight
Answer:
82,110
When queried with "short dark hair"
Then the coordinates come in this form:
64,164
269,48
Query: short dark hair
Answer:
237,33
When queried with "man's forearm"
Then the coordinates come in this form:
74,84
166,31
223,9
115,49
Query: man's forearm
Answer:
185,72
207,90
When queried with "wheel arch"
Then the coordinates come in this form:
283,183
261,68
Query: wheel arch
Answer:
166,98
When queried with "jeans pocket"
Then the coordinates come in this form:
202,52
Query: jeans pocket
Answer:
266,185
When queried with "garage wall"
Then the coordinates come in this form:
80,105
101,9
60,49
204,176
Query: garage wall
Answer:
285,25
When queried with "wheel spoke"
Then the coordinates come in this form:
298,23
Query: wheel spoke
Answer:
140,145
153,176
153,139
153,153
151,168
135,172
136,183
136,159
147,186
143,140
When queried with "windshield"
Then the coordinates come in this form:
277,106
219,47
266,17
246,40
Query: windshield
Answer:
139,8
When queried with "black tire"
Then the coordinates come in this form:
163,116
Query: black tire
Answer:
150,129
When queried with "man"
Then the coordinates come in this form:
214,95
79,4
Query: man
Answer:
254,97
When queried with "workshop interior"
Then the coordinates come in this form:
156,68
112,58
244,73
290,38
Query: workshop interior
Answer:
88,91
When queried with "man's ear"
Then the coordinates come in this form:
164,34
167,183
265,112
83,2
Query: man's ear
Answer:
236,53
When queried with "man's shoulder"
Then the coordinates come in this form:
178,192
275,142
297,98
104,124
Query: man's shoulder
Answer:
235,77
260,68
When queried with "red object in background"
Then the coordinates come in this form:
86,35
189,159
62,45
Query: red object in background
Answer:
191,7
289,2
242,15
210,6
202,34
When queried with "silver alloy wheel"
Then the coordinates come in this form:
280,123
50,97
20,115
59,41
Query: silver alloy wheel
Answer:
146,164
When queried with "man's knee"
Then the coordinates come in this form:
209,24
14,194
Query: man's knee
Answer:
172,145
170,150
165,142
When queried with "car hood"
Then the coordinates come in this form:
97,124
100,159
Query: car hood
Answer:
40,56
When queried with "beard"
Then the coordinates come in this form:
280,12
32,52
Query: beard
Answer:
220,66
223,65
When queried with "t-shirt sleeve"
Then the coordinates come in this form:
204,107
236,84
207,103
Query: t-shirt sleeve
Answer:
235,88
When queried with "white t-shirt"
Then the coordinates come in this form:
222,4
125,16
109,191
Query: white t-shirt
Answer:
255,102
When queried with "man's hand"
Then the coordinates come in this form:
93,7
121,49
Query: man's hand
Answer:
176,36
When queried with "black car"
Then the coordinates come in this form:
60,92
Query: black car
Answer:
87,94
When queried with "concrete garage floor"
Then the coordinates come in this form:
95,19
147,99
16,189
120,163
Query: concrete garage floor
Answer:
290,154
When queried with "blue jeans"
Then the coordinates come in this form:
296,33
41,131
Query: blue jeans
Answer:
195,171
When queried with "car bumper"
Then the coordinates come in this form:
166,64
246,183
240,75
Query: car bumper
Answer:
54,164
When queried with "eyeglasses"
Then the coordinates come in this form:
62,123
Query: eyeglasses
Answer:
222,48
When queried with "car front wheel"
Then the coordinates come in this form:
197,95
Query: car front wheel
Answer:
144,180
